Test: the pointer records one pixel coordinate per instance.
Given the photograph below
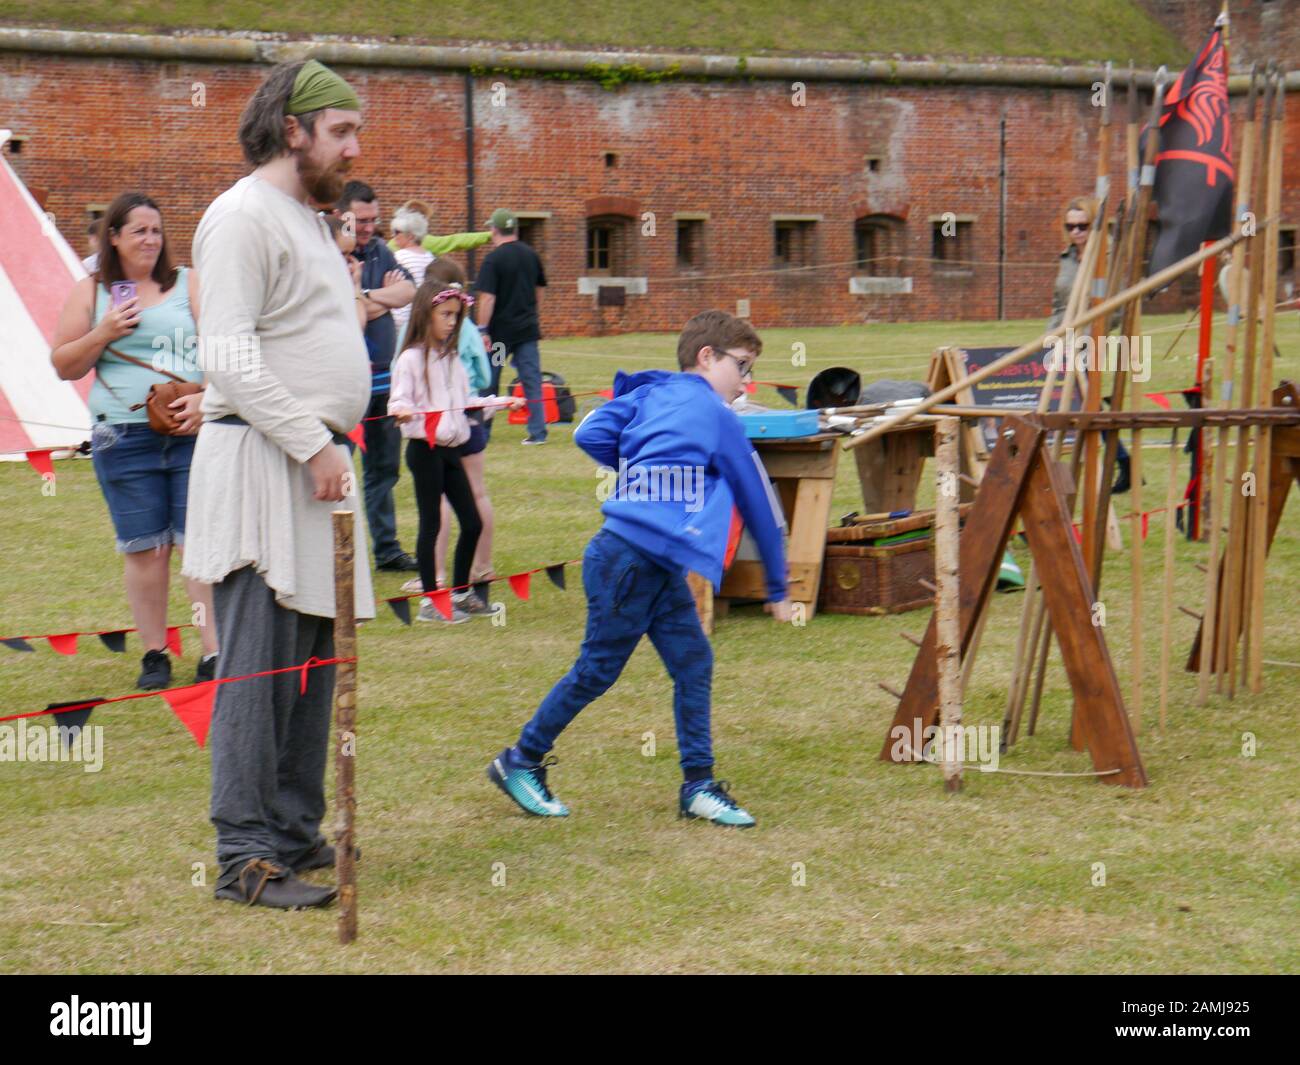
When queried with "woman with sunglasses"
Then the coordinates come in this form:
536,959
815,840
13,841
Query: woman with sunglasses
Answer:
1080,214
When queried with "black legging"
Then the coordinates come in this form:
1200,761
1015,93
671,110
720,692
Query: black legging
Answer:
436,470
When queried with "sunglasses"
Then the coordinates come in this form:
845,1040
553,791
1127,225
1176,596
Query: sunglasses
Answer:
1082,227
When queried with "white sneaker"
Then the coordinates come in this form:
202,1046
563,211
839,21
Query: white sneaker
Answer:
530,442
429,613
413,585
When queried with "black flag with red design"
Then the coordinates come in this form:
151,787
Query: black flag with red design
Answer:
1194,173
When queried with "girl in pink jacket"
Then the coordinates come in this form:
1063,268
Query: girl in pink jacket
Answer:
428,397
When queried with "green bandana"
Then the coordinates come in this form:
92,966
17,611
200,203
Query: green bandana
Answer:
317,87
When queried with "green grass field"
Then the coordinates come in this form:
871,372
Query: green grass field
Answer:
96,870
1096,29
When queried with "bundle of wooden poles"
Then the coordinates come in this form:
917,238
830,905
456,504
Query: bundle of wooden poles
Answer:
1107,297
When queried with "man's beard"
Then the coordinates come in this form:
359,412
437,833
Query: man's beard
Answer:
324,186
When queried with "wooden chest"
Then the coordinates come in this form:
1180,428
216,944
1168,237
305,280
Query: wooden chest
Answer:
859,577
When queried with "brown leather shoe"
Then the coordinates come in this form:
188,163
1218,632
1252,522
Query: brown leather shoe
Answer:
322,857
265,883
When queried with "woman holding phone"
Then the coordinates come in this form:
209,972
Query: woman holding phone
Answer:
135,313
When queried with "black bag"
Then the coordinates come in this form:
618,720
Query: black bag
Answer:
564,401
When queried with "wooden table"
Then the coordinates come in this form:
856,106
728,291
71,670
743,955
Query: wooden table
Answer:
802,470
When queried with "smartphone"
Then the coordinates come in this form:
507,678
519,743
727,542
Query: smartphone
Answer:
121,291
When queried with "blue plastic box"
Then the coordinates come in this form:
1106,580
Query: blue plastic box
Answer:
780,425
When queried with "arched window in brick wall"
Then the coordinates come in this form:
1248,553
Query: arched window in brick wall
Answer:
878,245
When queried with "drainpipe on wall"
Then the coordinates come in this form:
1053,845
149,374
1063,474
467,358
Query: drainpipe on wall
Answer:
470,224
1002,216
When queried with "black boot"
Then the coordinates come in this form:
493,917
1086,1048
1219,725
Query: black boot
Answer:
1124,481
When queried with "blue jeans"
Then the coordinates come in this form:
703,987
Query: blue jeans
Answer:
630,595
527,359
380,463
145,478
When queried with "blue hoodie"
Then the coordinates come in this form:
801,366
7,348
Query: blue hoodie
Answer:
671,434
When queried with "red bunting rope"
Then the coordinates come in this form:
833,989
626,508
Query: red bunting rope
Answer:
191,703
519,583
63,638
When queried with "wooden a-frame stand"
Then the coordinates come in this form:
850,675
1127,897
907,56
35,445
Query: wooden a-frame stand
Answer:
1022,480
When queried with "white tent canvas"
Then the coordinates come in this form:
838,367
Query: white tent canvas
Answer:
37,272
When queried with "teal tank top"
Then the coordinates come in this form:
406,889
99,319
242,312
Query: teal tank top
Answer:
166,333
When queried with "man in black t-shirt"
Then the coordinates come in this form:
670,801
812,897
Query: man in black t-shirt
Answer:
508,284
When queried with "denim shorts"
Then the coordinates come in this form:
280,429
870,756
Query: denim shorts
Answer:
145,478
478,440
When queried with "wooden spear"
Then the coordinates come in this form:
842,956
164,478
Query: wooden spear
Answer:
1254,671
947,599
1210,657
345,718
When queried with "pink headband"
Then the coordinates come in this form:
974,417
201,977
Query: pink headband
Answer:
453,293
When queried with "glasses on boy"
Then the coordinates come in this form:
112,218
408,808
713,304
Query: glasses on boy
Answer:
743,364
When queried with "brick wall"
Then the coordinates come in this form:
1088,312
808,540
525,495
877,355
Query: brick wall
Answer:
739,153
1261,29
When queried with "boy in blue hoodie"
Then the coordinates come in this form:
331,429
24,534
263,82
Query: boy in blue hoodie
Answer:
682,459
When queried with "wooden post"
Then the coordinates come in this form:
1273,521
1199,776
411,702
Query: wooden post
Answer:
1215,519
947,601
1136,523
345,722
1171,494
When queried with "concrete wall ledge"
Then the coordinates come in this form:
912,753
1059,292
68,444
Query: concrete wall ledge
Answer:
218,48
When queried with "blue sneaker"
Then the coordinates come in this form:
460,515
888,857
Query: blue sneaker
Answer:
709,799
526,784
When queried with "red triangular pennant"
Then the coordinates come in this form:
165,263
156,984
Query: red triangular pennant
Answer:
193,705
751,387
431,420
1146,523
441,600
519,583
174,640
358,436
1158,399
64,643
733,537
41,462
608,393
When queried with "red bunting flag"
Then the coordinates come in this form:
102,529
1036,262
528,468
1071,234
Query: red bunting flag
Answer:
1078,536
431,420
358,436
41,462
174,640
65,643
1146,523
519,583
1158,398
441,600
193,706
608,393
751,387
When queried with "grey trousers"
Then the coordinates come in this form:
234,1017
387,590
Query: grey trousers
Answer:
269,741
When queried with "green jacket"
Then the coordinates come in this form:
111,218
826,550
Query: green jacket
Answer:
451,242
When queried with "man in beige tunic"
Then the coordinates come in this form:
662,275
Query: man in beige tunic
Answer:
269,467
